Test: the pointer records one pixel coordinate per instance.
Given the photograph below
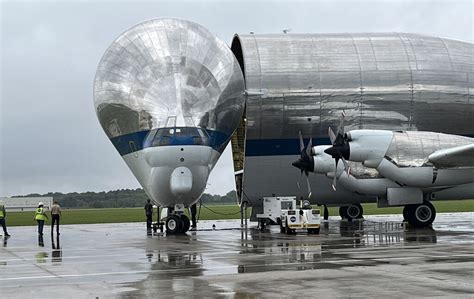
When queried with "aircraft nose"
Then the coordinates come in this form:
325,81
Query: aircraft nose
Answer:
181,181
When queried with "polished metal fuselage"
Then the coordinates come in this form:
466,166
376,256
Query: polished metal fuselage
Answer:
302,82
168,73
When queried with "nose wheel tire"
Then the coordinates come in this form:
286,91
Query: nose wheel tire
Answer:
186,223
177,224
173,224
421,215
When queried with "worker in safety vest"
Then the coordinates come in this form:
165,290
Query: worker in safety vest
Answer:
40,217
3,215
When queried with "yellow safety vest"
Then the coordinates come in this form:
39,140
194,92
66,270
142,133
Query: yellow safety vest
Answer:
40,214
2,215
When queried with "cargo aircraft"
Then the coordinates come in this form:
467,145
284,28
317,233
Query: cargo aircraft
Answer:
170,96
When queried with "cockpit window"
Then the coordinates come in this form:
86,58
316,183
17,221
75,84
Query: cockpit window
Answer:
177,136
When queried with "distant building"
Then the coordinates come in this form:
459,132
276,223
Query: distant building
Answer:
25,203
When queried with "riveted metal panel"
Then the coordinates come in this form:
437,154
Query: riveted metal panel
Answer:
394,81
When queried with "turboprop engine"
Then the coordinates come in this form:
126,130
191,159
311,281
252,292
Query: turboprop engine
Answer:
407,158
169,95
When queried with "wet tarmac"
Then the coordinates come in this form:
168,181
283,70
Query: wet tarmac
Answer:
376,257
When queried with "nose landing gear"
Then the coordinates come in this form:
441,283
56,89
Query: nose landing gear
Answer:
177,222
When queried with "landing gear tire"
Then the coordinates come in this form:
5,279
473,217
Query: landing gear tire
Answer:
185,224
405,212
354,211
343,212
421,215
173,224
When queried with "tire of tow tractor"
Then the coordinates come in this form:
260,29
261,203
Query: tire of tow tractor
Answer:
421,215
289,231
314,231
354,212
173,224
186,223
343,212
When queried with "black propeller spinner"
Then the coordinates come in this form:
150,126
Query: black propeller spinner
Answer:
305,163
340,149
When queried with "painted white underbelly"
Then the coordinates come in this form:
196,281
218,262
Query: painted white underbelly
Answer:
173,174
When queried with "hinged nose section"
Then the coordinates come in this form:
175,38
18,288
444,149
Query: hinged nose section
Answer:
181,181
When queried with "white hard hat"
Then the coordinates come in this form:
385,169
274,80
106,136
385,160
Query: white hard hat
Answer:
41,203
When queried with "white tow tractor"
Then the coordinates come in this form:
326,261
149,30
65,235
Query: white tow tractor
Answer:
290,217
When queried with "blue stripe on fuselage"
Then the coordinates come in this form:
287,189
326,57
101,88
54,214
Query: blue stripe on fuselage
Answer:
282,147
129,143
278,147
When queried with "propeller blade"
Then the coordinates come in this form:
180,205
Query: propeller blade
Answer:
334,180
332,136
347,168
340,129
301,142
309,146
309,186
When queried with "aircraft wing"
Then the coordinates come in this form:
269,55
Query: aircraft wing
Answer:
460,156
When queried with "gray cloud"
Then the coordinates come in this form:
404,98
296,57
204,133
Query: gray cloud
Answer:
50,139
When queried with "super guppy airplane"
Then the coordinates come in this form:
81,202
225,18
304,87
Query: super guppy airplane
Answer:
170,96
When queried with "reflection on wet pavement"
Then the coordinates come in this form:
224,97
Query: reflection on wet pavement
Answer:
118,260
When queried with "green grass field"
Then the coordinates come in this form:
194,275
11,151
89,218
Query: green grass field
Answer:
87,216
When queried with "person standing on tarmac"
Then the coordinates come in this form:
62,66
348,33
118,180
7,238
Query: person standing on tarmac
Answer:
40,217
3,215
149,214
55,216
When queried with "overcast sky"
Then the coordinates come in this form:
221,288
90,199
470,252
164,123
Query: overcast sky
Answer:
50,138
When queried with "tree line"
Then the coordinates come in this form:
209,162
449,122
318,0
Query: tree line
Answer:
123,198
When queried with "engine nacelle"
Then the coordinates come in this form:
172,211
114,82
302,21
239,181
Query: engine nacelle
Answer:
323,163
368,146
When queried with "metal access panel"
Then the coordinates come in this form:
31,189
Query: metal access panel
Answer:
404,196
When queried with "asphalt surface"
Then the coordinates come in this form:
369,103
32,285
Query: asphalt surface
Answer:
374,258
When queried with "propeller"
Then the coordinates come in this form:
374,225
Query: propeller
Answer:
305,163
340,149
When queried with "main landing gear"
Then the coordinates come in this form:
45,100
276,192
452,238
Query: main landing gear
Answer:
354,211
420,215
